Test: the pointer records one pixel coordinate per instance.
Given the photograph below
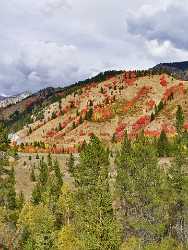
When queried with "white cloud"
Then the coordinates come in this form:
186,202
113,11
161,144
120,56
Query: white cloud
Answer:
62,41
166,49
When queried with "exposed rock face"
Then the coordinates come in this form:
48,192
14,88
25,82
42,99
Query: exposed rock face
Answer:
6,101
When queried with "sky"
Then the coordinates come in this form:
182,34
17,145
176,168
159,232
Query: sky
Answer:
58,42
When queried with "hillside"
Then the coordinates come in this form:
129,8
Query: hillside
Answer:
178,69
127,100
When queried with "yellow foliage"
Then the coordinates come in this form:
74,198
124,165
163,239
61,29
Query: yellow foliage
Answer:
66,239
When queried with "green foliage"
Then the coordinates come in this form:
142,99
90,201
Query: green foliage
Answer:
152,116
149,209
71,165
49,160
89,114
38,224
73,125
54,115
58,173
94,219
163,145
36,194
20,200
43,173
67,239
4,142
139,184
92,159
132,243
30,130
179,119
32,175
65,205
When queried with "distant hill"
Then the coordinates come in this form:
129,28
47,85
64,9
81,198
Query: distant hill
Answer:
2,98
178,69
61,119
10,100
134,101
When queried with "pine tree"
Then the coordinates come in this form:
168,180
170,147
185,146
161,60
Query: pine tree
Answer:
20,200
4,141
49,160
160,106
43,172
89,114
73,125
70,165
58,173
163,145
32,175
36,194
30,130
139,184
179,120
152,117
11,193
178,187
94,219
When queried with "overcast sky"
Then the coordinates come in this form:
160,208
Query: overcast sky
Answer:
57,42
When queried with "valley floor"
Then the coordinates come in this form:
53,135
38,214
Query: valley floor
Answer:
24,165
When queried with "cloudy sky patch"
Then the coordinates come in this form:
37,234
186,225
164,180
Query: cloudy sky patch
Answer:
57,42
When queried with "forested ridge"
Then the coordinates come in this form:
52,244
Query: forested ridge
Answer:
142,206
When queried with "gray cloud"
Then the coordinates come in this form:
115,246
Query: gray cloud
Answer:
57,42
165,23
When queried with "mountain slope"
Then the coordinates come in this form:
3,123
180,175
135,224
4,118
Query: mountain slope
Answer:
178,69
124,101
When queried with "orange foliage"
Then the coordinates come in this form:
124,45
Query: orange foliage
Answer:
152,133
186,126
151,104
163,81
141,123
141,93
168,129
173,90
102,113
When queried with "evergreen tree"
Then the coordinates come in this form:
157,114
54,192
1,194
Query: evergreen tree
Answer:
36,194
58,174
163,145
179,119
152,117
139,185
11,193
89,114
73,125
4,141
20,200
30,130
160,106
94,219
178,202
70,165
49,160
32,175
43,172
